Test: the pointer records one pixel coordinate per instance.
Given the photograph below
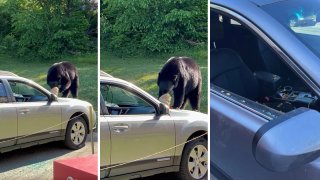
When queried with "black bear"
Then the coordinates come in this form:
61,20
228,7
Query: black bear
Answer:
64,75
182,76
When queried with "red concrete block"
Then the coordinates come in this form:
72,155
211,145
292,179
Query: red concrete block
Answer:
80,168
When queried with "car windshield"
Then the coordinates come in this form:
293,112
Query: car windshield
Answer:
301,17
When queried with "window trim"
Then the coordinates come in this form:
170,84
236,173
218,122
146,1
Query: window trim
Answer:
131,90
264,111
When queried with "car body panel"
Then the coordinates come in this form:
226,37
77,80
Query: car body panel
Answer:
37,120
148,134
105,147
9,120
187,123
232,126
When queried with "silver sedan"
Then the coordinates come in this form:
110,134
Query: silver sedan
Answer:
140,136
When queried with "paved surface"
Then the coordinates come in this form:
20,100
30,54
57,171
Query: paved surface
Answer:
37,162
161,177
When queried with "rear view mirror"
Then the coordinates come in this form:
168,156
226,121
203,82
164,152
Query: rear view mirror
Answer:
288,142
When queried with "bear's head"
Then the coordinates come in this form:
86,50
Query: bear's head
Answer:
167,84
54,76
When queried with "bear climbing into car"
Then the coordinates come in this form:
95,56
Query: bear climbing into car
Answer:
182,76
64,76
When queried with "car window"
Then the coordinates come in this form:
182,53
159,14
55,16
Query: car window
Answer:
302,18
25,93
120,101
3,94
243,64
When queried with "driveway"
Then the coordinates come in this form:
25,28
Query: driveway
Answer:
37,162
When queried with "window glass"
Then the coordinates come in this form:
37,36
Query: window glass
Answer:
3,94
122,102
26,93
301,17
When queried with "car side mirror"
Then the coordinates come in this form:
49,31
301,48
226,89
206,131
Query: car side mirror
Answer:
163,109
289,141
53,97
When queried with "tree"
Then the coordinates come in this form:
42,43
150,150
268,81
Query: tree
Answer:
48,29
156,26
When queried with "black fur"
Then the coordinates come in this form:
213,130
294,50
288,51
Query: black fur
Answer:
64,75
182,76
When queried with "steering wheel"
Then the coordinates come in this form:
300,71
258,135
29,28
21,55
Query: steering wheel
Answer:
21,99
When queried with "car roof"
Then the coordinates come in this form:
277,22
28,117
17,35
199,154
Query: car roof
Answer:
7,73
256,2
265,2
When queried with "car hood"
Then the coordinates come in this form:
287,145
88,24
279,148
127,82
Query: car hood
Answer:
191,115
74,101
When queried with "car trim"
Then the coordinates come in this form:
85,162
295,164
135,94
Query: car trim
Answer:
164,159
146,173
28,144
6,140
134,163
268,113
108,168
286,58
22,138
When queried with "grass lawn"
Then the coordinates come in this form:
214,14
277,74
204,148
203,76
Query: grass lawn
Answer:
37,71
143,71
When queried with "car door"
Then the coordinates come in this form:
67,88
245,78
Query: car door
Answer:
8,118
138,135
38,118
235,121
105,141
233,128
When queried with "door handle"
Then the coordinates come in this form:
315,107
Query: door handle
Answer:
118,128
24,111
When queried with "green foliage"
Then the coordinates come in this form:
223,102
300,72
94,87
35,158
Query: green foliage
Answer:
46,29
153,26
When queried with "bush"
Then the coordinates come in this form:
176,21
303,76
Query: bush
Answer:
153,26
47,29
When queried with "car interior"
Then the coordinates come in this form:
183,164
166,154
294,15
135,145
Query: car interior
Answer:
25,93
122,102
3,94
245,65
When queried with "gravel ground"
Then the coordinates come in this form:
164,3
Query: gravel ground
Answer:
37,162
